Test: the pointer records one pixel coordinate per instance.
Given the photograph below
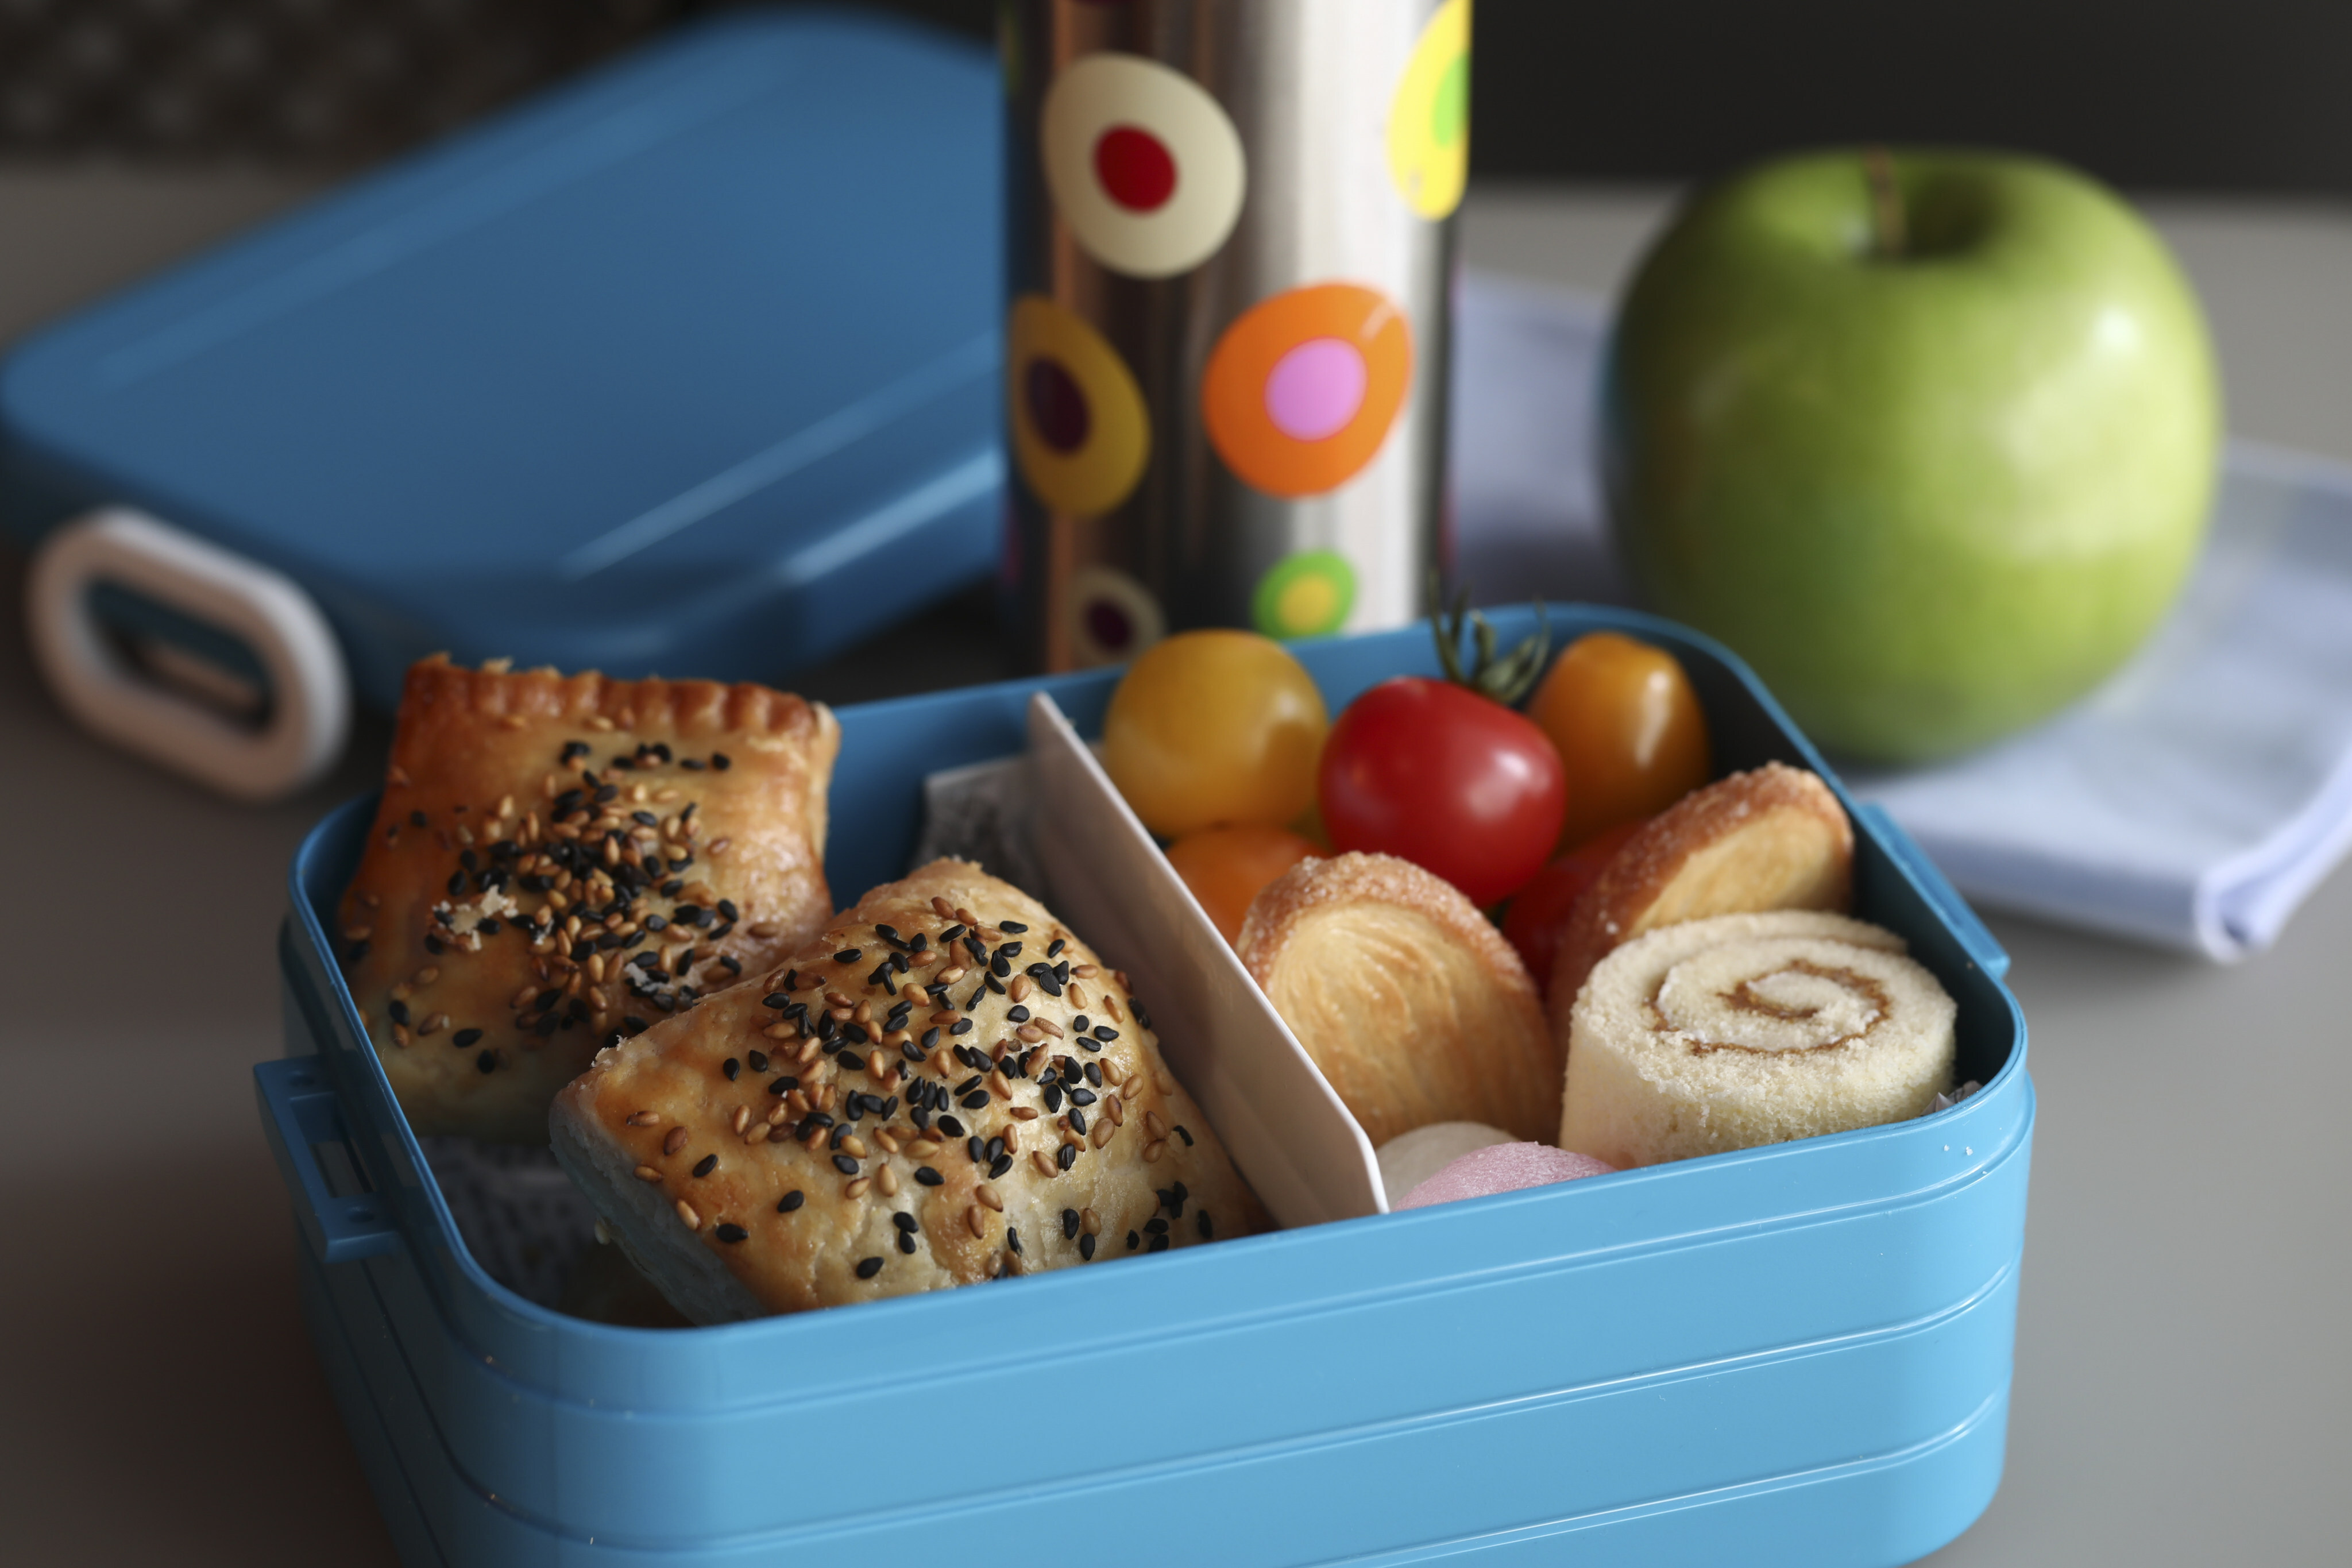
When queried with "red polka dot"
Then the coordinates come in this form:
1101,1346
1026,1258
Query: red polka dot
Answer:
1110,626
1135,168
1057,408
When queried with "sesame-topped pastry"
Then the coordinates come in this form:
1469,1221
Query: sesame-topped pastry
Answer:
944,1087
561,860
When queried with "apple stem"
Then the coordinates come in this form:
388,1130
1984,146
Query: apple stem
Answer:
1886,202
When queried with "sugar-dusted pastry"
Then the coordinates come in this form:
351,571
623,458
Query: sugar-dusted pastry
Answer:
559,861
1772,838
1408,998
944,1087
1744,1030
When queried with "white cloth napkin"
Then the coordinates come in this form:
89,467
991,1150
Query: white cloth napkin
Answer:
2192,801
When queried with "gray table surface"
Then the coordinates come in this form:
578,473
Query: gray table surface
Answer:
2184,1386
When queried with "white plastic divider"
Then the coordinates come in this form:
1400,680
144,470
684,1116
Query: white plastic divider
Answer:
1278,1116
310,693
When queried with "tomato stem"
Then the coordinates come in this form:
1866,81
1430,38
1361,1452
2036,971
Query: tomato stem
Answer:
1508,679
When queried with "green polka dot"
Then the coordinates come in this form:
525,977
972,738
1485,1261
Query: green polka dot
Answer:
1305,595
1449,110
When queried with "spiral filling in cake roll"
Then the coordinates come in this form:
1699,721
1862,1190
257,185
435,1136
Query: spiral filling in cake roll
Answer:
1749,1029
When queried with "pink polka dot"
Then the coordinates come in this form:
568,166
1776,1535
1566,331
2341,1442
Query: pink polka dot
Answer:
1315,389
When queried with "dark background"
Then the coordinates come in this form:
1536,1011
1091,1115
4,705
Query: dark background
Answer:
2251,96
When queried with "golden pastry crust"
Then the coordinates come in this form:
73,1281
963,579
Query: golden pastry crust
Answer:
1415,1008
1772,838
496,833
689,1137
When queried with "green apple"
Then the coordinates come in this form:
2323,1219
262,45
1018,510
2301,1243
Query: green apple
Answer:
1928,437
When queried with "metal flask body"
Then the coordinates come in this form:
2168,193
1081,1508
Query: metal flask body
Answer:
1230,236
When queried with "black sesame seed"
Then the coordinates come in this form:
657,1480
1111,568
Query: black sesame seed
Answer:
930,1037
927,1177
1156,1225
731,1068
1086,1044
1010,950
1013,927
1055,946
548,1024
845,1164
1093,1074
904,1221
849,955
722,762
1082,1096
1018,1014
648,817
1201,1223
791,1201
417,819
399,1012
905,1242
995,1150
465,1037
1069,1224
815,1120
1184,1135
1086,1248
911,1051
634,1024
867,1268
487,1061
1077,1119
974,1101
432,944
998,1166
1105,1033
1078,1023
977,1150
850,1062
1158,1244
707,1164
999,966
1012,1238
951,1126
728,1231
756,1060
1068,1156
1141,1017
961,1026
1133,1241
691,765
1052,1097
783,1085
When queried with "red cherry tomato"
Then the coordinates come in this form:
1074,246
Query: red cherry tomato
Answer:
1538,916
1452,781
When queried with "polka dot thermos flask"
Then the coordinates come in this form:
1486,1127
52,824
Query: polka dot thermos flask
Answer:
1230,236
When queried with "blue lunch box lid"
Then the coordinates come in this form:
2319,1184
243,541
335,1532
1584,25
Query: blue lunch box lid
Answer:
688,366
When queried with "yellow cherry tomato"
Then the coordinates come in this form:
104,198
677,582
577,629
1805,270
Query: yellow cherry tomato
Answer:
1227,867
1214,727
1629,729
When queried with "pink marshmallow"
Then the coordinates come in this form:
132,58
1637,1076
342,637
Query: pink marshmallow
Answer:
1502,1168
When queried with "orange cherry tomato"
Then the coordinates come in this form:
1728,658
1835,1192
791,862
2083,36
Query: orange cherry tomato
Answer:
1211,726
1226,868
1538,918
1627,727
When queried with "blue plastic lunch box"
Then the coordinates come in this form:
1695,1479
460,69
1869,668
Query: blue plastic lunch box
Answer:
1796,1355
690,365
